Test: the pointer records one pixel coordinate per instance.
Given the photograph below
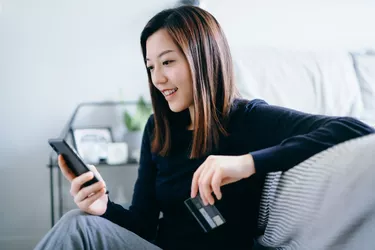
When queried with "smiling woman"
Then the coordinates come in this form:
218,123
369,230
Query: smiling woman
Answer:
202,139
189,68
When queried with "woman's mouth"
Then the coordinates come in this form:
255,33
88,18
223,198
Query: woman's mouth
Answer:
170,92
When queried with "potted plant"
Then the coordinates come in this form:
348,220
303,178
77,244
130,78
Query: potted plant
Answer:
135,124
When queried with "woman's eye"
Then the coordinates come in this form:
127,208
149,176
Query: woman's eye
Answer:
167,62
150,68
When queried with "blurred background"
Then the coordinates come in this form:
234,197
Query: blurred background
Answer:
57,54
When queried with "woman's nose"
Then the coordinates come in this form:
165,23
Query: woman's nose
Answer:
159,77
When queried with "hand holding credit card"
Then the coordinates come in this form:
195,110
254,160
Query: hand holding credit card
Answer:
217,171
208,216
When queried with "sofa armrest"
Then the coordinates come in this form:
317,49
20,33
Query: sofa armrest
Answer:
312,204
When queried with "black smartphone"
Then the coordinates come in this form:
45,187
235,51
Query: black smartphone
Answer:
72,159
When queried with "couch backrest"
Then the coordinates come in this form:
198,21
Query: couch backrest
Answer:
319,82
364,65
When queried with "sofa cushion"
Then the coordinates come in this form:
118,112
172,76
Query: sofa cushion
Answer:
320,82
364,64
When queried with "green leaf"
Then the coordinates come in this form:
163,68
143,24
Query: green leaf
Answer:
138,120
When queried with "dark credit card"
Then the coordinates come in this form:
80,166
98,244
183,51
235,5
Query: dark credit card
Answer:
207,216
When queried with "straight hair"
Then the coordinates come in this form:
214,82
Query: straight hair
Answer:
202,41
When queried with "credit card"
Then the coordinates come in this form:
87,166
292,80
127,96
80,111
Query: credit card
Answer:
208,216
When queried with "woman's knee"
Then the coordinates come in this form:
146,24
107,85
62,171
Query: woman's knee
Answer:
66,227
77,218
72,214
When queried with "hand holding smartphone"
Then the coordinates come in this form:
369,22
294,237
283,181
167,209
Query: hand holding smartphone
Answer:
87,186
71,158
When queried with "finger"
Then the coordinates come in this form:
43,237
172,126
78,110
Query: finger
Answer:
65,169
79,181
210,198
96,172
88,191
216,182
194,182
90,200
201,184
205,188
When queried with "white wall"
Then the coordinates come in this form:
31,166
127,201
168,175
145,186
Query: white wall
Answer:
299,24
55,54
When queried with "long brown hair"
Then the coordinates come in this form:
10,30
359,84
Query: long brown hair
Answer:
201,39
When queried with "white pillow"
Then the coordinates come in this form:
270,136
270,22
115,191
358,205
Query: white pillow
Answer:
321,82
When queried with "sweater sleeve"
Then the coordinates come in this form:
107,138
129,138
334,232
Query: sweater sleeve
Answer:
143,215
286,137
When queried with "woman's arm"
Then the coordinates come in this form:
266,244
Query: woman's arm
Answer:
287,137
279,138
143,215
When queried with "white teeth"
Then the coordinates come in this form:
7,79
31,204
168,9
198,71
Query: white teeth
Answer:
169,92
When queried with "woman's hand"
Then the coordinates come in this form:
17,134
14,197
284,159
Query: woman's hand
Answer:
217,171
91,199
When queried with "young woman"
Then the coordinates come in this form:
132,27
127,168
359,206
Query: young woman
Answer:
200,137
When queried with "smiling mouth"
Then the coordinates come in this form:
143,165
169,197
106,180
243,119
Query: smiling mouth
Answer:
169,92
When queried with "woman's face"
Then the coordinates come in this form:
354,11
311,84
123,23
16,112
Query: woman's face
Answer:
170,71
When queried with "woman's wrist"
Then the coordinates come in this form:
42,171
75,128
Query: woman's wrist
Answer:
248,165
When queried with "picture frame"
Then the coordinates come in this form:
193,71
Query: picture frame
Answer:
91,143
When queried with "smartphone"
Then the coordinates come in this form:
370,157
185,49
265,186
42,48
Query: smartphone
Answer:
72,159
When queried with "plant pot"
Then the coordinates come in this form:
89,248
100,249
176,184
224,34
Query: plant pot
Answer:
134,141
